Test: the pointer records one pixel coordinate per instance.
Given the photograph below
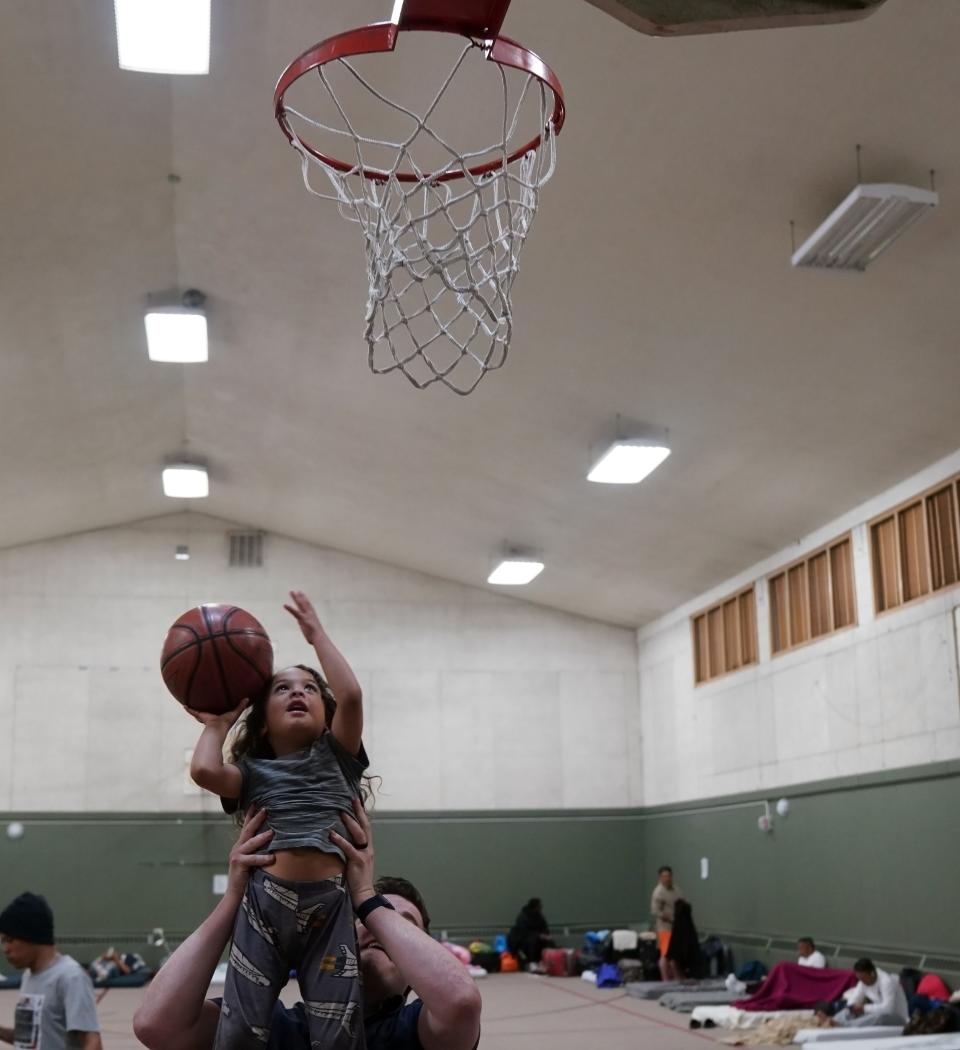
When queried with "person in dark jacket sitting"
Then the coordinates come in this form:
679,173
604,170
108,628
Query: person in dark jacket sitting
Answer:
684,951
530,934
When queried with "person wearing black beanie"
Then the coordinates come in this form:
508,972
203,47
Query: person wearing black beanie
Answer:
28,918
56,1008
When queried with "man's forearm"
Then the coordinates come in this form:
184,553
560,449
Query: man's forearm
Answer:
6,1035
442,982
174,999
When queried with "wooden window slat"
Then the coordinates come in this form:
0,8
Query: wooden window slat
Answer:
915,576
818,578
942,535
799,605
841,580
701,649
779,613
731,635
715,641
748,627
886,577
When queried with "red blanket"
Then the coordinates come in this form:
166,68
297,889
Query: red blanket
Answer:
792,987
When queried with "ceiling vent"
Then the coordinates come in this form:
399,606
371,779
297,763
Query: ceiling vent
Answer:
869,220
246,550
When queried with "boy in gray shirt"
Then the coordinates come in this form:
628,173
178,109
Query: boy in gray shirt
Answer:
56,1008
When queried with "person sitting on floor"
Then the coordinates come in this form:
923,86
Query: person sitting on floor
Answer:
878,1000
530,934
808,954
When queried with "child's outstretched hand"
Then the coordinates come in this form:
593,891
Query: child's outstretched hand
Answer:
304,613
224,721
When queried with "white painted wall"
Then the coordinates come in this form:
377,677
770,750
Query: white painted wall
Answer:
473,699
880,695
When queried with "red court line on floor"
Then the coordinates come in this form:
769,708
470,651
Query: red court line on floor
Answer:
692,1032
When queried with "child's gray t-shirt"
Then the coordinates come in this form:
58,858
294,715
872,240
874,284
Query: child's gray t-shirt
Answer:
304,793
57,1000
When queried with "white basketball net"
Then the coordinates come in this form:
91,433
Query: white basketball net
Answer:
441,256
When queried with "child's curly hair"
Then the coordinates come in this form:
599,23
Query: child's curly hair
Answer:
250,735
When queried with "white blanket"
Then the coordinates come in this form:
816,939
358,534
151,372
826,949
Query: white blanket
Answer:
732,1017
947,1041
831,1035
624,940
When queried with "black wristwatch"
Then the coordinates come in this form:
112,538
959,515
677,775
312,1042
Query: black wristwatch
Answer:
371,904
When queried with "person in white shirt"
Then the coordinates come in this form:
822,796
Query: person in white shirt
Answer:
808,954
878,999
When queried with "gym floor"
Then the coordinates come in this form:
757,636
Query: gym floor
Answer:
520,1012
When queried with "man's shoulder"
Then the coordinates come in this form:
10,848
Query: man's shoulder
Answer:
71,972
63,968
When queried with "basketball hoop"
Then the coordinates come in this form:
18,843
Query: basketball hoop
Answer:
443,226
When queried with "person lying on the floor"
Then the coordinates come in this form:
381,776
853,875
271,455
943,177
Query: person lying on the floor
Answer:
878,999
112,964
808,954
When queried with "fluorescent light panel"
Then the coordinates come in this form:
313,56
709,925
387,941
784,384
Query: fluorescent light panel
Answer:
628,462
513,572
185,481
163,36
869,220
176,334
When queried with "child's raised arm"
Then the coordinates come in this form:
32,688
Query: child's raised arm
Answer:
348,722
207,767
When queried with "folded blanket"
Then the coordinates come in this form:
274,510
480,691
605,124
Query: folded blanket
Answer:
624,940
731,1017
833,1035
792,987
684,1002
655,989
947,1041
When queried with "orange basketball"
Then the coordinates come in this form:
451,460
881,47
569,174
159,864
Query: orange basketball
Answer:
214,656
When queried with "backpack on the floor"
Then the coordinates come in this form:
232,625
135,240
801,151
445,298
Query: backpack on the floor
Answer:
608,976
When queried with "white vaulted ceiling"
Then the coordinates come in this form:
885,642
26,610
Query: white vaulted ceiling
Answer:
655,284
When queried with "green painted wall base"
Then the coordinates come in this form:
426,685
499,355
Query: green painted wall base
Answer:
863,864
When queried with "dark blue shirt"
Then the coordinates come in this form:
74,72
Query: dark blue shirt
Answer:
391,1027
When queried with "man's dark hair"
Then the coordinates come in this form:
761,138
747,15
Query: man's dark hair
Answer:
864,965
400,887
666,867
807,940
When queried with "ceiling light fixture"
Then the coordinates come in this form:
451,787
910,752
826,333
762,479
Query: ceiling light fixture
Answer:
163,36
515,571
178,333
869,220
630,459
185,481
